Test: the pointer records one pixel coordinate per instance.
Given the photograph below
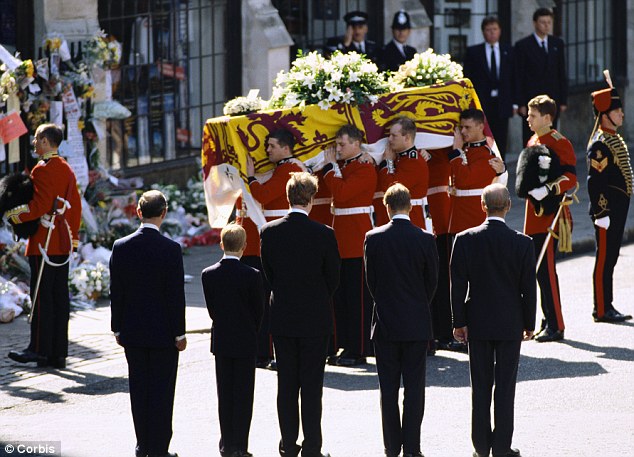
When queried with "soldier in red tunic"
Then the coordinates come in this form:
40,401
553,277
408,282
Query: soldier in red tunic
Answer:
404,164
473,166
322,202
55,187
542,110
352,185
272,196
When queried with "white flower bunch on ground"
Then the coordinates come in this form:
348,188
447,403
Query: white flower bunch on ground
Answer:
344,78
89,281
425,69
242,105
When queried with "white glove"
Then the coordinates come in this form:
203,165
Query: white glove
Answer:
539,194
603,222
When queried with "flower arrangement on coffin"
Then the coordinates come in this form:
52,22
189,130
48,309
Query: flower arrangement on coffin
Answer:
240,106
344,78
425,69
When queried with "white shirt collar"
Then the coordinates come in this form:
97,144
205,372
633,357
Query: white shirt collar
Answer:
539,40
495,45
400,46
400,216
152,226
495,218
231,257
297,210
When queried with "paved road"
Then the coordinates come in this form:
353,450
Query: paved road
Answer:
574,398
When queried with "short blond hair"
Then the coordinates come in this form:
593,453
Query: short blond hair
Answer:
233,238
301,188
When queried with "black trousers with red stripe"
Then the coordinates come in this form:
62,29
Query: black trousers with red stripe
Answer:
49,327
353,310
607,254
549,282
265,340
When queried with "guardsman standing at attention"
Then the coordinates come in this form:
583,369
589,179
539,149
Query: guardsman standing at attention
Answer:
405,164
272,196
610,189
352,185
541,112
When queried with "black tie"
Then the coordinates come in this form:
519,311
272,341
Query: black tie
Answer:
494,64
544,46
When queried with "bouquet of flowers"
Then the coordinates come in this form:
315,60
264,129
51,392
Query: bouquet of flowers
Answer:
102,51
37,114
426,69
12,81
53,41
344,78
89,281
240,106
80,79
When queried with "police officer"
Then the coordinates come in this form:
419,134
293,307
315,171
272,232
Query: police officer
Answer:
610,189
397,52
354,39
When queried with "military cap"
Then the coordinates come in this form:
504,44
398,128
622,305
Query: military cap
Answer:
401,21
356,18
605,100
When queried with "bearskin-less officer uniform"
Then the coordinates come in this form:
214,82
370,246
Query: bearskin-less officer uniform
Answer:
394,54
272,196
536,224
610,189
470,174
410,169
352,189
440,209
53,179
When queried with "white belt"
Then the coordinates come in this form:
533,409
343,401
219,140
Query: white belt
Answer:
437,190
378,195
466,192
274,212
322,201
351,211
417,201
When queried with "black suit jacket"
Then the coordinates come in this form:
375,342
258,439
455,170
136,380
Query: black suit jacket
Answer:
538,74
493,286
235,300
401,265
478,71
301,263
147,290
391,58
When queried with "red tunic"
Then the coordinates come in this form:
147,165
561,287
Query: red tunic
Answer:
321,208
272,196
568,160
437,191
355,188
410,169
475,174
52,177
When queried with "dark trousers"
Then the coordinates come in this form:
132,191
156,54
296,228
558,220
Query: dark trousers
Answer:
499,126
235,383
441,303
493,362
353,309
265,340
49,328
300,374
152,379
406,360
549,283
607,254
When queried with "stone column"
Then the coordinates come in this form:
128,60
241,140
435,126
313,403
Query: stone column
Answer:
75,19
265,46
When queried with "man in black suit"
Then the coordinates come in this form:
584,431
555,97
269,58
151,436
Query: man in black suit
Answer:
493,298
397,52
401,264
301,263
489,66
147,298
354,40
235,300
540,67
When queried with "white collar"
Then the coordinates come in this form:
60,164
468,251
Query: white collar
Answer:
539,40
400,46
495,218
400,216
495,45
230,257
152,226
297,210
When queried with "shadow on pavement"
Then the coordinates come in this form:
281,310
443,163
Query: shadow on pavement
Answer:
605,352
538,369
